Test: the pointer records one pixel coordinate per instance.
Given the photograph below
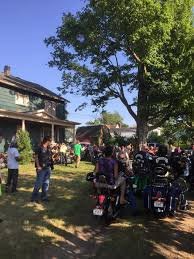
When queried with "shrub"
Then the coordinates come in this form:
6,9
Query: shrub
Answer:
24,146
153,137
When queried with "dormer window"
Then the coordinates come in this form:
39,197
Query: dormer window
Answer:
50,107
22,99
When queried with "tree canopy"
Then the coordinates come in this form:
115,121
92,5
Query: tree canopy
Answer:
108,118
115,49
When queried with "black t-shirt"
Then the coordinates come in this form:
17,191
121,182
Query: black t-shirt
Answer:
44,157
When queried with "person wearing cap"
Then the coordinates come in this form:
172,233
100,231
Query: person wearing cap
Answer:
13,158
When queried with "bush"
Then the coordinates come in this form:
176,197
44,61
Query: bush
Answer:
153,137
24,146
119,140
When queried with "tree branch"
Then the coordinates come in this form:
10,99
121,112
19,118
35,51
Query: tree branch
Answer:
134,55
120,94
161,122
137,58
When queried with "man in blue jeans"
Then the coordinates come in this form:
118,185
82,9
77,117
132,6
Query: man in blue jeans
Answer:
44,165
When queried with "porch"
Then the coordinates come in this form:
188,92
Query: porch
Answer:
39,125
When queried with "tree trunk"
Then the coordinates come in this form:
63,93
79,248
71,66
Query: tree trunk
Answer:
142,108
142,133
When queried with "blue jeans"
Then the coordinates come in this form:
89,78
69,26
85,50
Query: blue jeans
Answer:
42,181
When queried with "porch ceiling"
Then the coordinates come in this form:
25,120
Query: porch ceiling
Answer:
35,118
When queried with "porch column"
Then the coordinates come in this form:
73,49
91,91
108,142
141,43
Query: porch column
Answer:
57,131
23,125
53,132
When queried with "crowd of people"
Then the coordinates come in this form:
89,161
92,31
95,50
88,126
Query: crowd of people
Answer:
45,157
108,159
161,173
62,153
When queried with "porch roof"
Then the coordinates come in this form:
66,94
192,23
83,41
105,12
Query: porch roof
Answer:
39,116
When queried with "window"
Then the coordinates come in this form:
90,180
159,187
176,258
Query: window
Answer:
22,99
50,107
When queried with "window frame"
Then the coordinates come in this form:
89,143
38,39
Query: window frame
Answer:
22,99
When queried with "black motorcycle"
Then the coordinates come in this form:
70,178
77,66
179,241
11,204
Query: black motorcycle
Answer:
181,187
159,191
158,195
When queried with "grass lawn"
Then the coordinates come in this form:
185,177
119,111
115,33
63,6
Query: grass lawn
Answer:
65,229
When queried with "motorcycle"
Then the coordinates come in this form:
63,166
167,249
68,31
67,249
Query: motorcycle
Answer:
156,195
165,195
180,185
108,200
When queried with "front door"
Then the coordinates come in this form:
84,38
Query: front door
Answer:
46,131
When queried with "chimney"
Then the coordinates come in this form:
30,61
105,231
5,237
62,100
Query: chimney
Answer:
7,70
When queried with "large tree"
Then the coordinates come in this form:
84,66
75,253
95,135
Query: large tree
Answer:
115,49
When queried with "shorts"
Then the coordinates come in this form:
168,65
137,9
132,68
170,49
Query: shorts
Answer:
77,158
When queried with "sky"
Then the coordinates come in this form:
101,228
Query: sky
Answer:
24,24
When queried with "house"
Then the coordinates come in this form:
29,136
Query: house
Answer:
34,108
93,134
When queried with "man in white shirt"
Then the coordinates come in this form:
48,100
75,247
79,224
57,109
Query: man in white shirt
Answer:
12,165
63,151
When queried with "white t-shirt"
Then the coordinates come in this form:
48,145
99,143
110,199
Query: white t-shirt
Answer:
63,149
12,153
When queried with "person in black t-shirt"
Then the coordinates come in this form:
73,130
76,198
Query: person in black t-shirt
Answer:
44,165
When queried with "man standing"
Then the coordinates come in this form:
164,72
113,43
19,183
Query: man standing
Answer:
91,152
44,165
77,153
63,151
12,165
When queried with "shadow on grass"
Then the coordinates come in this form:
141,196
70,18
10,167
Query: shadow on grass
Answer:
64,228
